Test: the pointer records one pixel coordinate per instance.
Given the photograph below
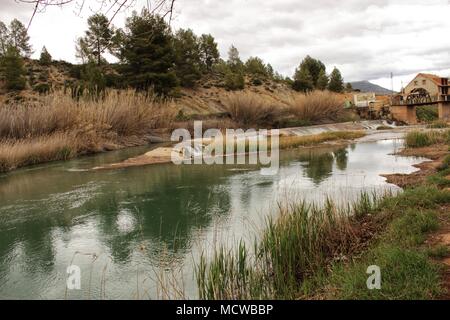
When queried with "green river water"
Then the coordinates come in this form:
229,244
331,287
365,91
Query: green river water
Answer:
131,230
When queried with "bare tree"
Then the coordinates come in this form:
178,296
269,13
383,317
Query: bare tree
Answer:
113,7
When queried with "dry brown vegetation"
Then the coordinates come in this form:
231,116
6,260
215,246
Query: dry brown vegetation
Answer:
251,109
59,127
319,106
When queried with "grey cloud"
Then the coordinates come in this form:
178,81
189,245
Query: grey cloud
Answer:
367,39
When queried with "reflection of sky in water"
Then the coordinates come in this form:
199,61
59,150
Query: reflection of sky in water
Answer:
130,226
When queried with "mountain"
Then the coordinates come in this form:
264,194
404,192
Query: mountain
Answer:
366,86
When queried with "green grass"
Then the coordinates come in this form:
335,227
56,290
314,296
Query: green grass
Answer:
438,252
405,274
427,113
440,179
419,139
313,252
439,124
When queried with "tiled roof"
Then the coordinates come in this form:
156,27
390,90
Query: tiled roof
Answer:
436,79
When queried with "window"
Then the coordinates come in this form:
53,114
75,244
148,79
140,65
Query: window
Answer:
416,83
424,82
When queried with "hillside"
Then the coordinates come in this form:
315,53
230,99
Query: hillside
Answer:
366,86
207,97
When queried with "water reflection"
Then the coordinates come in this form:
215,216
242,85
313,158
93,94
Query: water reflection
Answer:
141,219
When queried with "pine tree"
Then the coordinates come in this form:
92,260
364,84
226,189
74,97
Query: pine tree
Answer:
348,87
93,79
4,39
209,53
12,69
303,80
187,52
256,67
234,61
314,67
98,37
82,51
234,77
45,58
147,54
322,81
18,38
269,70
336,81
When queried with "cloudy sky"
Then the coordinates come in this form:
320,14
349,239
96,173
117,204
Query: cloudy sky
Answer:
365,39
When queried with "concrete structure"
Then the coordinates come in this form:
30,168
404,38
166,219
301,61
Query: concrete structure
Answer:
364,100
424,90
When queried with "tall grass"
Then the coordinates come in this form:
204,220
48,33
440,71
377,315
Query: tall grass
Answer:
297,141
125,113
35,131
419,139
250,109
316,107
301,241
15,154
311,251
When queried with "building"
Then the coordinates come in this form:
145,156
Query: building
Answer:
424,90
364,100
424,83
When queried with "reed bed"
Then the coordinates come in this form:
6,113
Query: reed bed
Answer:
419,139
299,242
35,131
250,109
297,141
317,107
323,252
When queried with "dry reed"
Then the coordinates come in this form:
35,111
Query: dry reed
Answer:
35,132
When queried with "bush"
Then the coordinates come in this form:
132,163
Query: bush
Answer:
42,88
234,81
257,82
427,113
319,106
419,139
250,109
439,124
13,71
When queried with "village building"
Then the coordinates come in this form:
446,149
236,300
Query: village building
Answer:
424,81
424,90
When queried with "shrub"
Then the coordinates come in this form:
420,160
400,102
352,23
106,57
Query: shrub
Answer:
257,82
319,106
42,88
250,109
439,124
419,139
427,113
234,81
58,127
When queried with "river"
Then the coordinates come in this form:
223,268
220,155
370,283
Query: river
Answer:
133,231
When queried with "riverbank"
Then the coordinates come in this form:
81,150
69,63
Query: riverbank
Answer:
324,253
58,127
164,154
